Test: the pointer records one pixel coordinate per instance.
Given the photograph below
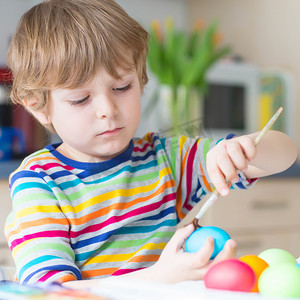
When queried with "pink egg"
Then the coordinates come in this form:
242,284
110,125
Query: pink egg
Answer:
230,274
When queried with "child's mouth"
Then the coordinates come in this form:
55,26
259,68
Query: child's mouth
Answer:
111,132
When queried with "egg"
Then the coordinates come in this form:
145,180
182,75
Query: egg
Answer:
197,239
275,256
230,274
257,264
281,280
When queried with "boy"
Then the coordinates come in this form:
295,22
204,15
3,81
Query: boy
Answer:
101,202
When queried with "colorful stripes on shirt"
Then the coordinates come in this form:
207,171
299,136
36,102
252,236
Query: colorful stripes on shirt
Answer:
73,220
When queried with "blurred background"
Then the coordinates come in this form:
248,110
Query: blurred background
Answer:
247,84
223,66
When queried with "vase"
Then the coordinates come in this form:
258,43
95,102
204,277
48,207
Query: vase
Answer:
180,110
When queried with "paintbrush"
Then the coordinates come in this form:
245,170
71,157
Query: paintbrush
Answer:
214,196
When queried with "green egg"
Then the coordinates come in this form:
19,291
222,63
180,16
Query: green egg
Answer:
277,256
281,280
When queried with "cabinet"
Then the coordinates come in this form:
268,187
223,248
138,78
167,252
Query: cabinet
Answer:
263,217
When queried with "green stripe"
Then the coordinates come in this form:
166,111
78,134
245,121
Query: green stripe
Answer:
174,149
135,243
206,145
32,197
43,246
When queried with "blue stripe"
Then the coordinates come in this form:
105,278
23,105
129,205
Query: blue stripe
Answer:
70,184
30,185
22,174
36,261
163,143
240,185
144,157
96,239
144,229
59,174
154,138
195,198
161,214
65,268
98,166
84,256
158,147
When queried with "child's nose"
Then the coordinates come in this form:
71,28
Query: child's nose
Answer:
106,108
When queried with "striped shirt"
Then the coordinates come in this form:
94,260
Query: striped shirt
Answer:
75,220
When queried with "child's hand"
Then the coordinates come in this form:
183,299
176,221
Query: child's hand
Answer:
227,158
176,265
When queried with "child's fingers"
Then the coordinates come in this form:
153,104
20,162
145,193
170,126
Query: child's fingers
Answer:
228,168
203,256
238,159
179,237
228,251
200,261
218,180
248,147
220,168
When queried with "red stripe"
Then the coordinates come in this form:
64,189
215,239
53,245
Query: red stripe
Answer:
137,149
189,174
43,234
48,275
125,271
49,166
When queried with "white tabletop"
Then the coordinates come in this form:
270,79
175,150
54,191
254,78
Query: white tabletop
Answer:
116,288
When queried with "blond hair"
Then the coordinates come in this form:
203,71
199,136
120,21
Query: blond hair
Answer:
62,44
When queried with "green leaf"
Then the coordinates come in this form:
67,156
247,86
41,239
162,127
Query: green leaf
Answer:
183,59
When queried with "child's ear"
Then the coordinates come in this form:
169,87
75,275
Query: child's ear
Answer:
41,115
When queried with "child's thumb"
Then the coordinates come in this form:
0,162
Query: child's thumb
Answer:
180,236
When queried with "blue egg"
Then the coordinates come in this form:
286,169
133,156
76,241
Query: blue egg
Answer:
197,239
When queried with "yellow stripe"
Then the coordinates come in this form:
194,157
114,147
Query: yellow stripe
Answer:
124,257
20,246
25,212
37,209
182,141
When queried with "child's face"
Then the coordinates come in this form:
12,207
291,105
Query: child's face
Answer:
97,121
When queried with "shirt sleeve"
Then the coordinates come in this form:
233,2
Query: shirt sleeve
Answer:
187,158
38,232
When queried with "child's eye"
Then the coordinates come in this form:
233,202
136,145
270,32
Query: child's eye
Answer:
81,101
123,89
